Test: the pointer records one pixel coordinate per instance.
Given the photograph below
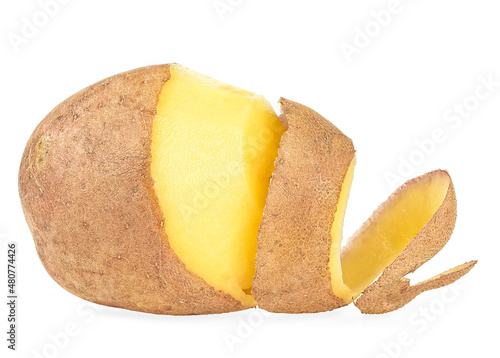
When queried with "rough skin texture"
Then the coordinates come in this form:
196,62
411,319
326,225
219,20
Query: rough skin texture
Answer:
392,290
88,198
292,273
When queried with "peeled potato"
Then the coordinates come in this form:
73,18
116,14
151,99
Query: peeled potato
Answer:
145,191
162,190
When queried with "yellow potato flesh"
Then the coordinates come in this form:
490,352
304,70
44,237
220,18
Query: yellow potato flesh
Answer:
379,244
335,265
213,152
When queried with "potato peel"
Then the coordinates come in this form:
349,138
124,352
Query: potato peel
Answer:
392,290
294,238
293,243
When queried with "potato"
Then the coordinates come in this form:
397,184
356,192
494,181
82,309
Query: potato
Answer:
103,230
156,190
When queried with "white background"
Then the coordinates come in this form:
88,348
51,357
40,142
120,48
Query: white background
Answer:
426,60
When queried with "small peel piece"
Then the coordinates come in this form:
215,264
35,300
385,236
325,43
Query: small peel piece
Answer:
386,296
392,290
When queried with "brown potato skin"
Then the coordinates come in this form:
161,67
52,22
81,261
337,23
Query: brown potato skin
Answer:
88,197
293,244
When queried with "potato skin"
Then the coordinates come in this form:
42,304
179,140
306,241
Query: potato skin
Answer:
88,197
292,273
392,289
